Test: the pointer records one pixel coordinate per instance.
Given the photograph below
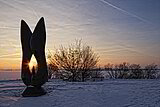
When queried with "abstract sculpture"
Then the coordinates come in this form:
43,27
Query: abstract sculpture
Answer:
33,44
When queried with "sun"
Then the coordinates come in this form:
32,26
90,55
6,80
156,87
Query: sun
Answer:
30,65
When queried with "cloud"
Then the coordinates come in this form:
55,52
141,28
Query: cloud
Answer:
7,55
124,11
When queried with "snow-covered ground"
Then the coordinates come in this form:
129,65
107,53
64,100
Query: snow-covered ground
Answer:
107,93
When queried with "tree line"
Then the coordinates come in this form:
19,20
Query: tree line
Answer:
132,71
78,62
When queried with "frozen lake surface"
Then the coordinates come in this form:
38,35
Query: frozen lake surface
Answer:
107,93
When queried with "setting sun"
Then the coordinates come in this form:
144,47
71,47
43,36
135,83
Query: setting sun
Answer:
32,63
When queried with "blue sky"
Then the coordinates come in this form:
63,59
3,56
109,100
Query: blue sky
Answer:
118,30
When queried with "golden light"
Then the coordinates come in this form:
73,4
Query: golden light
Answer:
32,62
31,65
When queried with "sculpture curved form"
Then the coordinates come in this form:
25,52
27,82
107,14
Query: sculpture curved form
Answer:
34,44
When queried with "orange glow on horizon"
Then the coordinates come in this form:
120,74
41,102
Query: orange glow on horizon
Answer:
104,59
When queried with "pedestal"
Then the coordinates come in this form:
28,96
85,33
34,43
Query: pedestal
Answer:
32,91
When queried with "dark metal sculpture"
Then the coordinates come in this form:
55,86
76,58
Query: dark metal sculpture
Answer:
33,44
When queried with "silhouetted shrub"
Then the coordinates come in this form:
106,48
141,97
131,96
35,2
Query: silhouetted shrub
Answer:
76,62
135,71
131,71
52,70
150,71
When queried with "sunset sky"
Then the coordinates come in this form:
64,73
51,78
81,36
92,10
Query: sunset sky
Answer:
117,30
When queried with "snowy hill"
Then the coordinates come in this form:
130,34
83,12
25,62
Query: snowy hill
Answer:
107,93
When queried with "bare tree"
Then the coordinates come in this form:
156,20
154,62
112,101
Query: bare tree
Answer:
110,70
122,70
150,71
97,75
89,61
118,71
52,70
77,61
135,71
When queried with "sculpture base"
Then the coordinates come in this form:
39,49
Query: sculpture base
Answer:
32,91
